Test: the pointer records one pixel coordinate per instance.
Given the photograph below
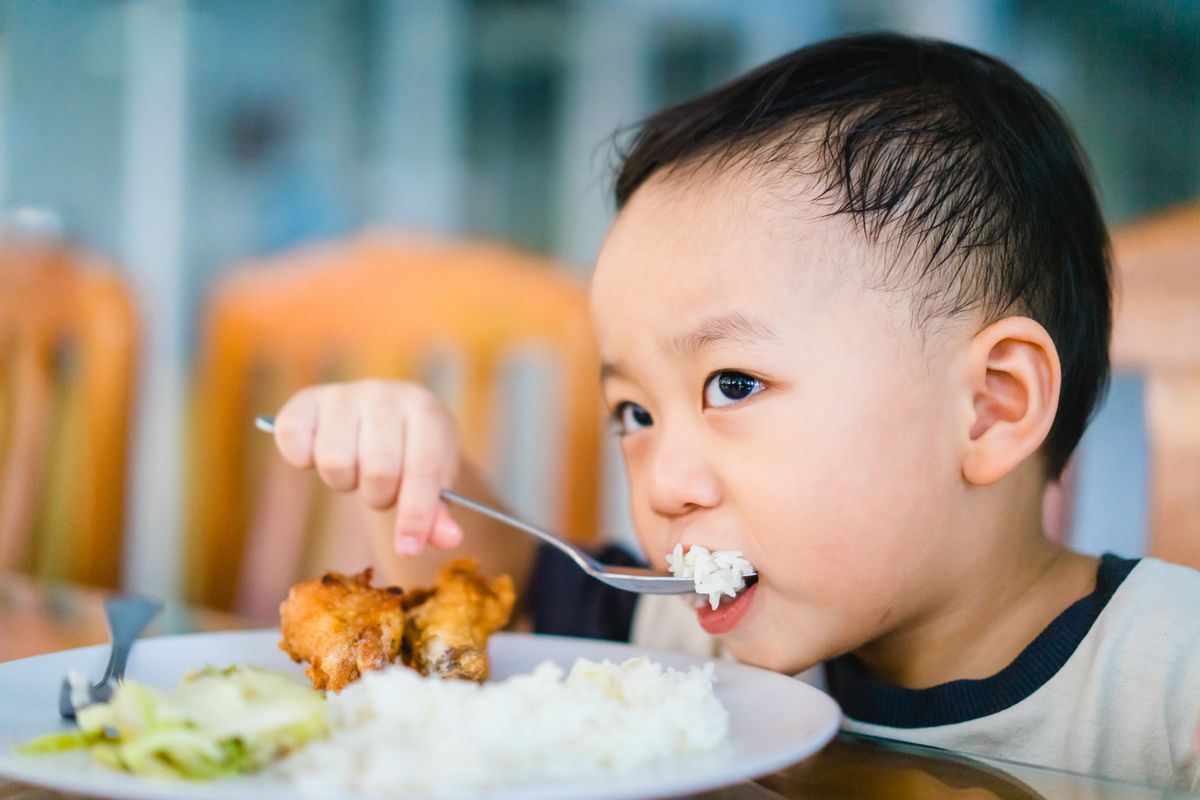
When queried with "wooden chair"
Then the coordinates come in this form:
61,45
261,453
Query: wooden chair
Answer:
68,345
372,307
1157,333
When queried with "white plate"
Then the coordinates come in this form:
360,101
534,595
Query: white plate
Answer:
774,720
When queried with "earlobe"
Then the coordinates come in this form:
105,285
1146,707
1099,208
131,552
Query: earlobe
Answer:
1014,376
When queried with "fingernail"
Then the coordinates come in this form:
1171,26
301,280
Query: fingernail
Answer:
408,546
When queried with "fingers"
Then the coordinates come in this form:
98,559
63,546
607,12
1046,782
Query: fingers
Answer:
425,473
390,440
380,450
296,427
335,450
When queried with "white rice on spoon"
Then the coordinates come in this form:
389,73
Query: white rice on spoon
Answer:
717,573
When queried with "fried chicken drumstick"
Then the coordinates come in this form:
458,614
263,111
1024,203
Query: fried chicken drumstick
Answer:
447,630
342,626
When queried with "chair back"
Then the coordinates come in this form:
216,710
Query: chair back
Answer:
68,346
372,307
1157,334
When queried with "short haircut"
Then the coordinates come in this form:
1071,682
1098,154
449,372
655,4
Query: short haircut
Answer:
938,150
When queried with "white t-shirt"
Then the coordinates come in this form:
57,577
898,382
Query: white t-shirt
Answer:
1111,687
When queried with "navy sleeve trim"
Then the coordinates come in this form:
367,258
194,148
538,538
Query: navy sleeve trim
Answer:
566,602
869,701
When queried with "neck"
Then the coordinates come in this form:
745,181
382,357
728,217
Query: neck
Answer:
1010,582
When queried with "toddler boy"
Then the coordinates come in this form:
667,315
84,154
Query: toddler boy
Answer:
854,315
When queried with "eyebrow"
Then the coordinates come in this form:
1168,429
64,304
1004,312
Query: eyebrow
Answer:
608,370
732,327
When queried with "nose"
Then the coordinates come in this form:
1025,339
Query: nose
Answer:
681,478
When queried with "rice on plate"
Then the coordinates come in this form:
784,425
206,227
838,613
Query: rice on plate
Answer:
395,732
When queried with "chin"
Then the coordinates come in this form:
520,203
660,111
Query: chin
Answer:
768,654
757,641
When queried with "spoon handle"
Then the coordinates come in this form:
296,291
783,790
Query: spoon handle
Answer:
127,618
585,562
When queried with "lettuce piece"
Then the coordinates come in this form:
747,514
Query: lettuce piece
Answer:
215,723
57,743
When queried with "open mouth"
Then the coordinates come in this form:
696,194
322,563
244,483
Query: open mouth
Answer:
729,613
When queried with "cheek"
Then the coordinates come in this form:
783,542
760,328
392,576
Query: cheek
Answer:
854,493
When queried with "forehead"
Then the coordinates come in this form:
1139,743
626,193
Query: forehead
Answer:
689,246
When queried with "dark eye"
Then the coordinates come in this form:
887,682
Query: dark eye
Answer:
631,418
728,387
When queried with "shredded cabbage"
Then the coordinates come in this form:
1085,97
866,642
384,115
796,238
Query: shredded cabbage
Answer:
215,723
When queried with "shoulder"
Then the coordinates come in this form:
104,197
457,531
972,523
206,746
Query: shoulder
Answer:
1140,611
1147,652
1155,570
1162,596
1151,618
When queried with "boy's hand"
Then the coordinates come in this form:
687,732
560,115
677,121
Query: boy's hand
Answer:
391,440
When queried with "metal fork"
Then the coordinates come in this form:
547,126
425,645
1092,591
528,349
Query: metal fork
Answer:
127,618
631,579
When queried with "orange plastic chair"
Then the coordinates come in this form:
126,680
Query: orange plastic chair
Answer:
1157,333
68,345
373,307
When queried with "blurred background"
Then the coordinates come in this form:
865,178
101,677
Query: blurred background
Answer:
180,140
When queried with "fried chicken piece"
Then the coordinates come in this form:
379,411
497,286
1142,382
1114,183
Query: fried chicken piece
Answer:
342,626
448,626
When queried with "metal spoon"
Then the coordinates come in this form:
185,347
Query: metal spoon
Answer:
631,579
127,618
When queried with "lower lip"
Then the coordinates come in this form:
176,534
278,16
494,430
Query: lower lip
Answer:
727,615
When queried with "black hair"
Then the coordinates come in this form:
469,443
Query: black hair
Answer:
936,149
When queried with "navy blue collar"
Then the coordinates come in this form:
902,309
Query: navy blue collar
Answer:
866,700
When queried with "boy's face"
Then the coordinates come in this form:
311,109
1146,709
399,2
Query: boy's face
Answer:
771,403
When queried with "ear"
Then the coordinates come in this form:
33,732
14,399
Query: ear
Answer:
1014,377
